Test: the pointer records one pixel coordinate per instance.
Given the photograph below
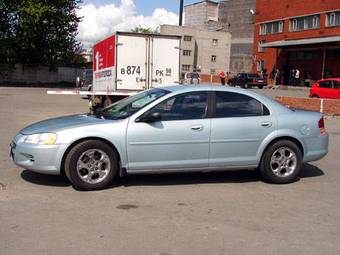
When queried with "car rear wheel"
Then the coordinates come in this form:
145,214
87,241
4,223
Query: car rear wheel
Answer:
315,96
281,162
246,86
91,165
260,86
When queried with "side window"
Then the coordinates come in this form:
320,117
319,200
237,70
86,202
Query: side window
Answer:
183,107
325,84
336,84
230,104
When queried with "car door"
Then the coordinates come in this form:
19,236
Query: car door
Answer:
335,90
239,125
325,89
180,140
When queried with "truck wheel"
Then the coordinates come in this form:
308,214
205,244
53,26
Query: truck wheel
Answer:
91,165
281,162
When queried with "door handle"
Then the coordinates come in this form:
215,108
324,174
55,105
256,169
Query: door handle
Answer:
266,124
197,128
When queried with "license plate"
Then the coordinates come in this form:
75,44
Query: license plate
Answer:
259,80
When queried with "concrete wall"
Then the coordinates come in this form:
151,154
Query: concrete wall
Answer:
202,48
40,74
199,14
236,16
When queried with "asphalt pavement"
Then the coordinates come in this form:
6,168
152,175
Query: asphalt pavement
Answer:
209,213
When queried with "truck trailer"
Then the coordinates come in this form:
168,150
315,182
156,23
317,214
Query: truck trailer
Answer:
126,63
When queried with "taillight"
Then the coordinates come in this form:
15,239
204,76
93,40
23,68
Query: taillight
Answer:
322,126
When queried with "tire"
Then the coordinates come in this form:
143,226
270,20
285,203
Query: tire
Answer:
260,86
87,175
315,96
281,170
246,86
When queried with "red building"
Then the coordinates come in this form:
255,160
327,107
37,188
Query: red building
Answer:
295,34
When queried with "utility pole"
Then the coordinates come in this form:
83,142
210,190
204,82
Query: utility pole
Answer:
180,23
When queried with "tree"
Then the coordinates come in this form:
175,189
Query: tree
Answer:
144,30
40,32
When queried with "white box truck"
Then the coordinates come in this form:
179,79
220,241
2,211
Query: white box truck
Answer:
126,63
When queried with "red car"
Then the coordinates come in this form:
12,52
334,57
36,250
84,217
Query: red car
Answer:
326,88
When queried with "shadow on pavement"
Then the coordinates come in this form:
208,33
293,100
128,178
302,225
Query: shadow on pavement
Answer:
44,179
309,170
241,176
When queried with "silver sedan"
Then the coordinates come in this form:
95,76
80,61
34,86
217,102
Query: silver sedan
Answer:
174,129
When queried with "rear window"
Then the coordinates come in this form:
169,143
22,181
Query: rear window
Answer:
230,104
253,76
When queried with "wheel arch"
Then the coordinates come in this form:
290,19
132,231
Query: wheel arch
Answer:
74,143
289,138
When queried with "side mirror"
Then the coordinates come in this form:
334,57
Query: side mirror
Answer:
149,118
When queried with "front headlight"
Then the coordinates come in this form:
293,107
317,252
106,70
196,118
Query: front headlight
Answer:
42,138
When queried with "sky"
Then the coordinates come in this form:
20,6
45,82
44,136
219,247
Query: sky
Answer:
102,18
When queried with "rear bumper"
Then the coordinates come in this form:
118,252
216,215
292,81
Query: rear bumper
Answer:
316,148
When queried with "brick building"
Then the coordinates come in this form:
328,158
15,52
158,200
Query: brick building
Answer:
295,34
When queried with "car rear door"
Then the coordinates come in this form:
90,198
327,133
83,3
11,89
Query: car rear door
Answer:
180,140
239,125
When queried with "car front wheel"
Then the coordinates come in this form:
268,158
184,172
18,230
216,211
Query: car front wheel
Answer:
281,162
91,165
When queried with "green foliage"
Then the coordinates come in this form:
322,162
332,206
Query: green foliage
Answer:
39,32
144,30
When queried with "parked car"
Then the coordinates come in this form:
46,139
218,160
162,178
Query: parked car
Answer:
326,88
192,78
247,80
174,129
84,81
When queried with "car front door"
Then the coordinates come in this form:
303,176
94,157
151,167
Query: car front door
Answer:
179,140
325,89
239,125
335,90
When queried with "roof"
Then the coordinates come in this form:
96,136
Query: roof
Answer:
208,1
286,43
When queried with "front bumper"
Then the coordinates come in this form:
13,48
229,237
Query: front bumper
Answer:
38,158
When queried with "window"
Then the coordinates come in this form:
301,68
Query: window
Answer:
183,107
325,84
305,23
261,49
333,53
303,55
333,19
229,104
214,42
213,58
336,85
186,52
271,28
187,38
185,67
128,106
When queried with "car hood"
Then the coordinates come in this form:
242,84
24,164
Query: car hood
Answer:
55,124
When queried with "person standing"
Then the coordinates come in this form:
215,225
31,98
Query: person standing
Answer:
297,77
222,77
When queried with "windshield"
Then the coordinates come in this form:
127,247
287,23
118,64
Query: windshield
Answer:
128,106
